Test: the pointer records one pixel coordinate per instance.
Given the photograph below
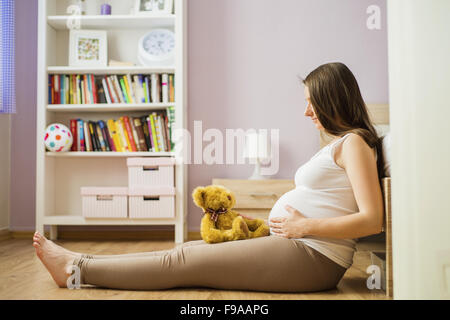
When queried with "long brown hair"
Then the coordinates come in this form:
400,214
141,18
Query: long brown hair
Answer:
339,106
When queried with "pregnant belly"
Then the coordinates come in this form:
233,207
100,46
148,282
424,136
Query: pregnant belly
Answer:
316,203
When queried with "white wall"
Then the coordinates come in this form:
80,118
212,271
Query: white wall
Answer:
419,84
5,138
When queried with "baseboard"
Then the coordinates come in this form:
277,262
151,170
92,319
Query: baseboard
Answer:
5,234
155,235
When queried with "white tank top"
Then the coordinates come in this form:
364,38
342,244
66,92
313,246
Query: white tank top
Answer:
322,190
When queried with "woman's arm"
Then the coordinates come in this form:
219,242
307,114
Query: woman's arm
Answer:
359,162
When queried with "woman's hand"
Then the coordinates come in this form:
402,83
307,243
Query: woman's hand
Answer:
293,226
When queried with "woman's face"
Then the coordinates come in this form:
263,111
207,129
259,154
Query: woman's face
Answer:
309,111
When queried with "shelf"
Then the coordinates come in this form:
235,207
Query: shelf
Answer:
106,107
110,70
101,154
80,220
113,21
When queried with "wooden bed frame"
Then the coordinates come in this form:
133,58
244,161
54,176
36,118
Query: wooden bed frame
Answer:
379,114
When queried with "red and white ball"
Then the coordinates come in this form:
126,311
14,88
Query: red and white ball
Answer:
58,138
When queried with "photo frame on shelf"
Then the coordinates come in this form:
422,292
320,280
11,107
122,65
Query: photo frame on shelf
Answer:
88,48
153,7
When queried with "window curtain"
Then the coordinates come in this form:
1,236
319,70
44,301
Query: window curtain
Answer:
7,63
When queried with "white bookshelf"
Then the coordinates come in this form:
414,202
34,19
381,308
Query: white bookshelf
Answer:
59,176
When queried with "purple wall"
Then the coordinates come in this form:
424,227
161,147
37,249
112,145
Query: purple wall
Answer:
23,123
244,58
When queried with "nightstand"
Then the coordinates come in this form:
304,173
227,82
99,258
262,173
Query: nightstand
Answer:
255,198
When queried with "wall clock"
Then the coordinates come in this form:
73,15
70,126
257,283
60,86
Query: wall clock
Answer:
157,47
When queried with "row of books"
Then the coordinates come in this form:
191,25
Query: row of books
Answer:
90,89
151,132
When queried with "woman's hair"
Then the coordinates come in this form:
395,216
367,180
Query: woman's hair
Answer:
339,106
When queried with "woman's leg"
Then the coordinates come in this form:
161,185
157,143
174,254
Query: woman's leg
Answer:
142,254
263,264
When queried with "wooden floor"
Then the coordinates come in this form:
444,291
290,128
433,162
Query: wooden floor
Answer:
22,276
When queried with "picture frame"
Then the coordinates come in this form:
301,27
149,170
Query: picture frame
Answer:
153,7
88,48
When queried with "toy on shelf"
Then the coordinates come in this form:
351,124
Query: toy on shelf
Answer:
58,138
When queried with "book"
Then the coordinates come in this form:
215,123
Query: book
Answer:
165,87
97,135
100,92
166,130
171,88
124,90
105,135
73,130
135,135
94,89
128,89
140,132
130,84
153,134
160,133
111,124
120,94
66,89
89,89
114,89
70,89
50,92
171,121
145,86
87,136
111,91
80,88
141,88
155,88
100,137
135,85
95,146
61,89
155,124
122,136
75,90
56,84
146,133
111,144
105,88
149,128
85,90
82,146
129,132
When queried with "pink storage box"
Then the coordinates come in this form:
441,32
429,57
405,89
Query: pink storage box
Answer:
104,202
151,202
150,172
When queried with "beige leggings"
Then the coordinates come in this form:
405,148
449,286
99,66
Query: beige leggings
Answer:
272,264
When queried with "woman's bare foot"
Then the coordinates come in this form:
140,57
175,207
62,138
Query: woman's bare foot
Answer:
56,259
37,236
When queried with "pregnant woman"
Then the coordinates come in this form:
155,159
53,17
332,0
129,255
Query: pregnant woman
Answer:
337,198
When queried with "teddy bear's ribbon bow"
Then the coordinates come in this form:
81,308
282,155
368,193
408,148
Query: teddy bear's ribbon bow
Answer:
215,213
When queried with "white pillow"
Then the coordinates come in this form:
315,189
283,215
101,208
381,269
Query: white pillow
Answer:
386,144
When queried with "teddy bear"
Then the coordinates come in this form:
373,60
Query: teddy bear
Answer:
220,223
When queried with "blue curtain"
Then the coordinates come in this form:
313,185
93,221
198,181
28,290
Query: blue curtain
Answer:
7,63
